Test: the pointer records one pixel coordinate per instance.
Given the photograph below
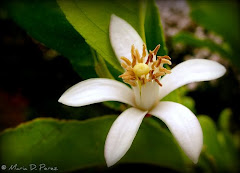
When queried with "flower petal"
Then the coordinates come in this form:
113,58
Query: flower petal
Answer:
184,126
97,90
194,70
146,96
122,37
121,134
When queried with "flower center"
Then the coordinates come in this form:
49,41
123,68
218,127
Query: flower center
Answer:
139,72
141,69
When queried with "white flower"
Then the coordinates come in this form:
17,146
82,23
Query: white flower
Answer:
148,88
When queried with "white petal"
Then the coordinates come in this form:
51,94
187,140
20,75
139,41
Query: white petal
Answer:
147,95
184,126
97,90
122,37
121,134
194,70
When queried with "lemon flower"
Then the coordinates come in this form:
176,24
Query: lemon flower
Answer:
148,86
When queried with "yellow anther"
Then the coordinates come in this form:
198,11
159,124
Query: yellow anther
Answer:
141,69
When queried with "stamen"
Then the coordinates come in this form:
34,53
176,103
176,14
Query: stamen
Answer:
137,56
129,68
164,70
128,77
165,61
158,74
165,57
144,52
124,65
158,82
133,56
134,61
142,79
151,74
139,73
132,49
127,73
158,61
153,64
130,82
150,58
127,61
156,49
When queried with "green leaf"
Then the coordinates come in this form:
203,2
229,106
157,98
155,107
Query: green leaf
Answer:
72,145
218,16
153,28
91,19
218,149
155,145
227,141
101,67
211,147
221,17
230,152
45,22
179,96
117,106
224,119
191,40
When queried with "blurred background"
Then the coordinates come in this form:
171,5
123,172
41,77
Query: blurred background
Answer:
33,77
